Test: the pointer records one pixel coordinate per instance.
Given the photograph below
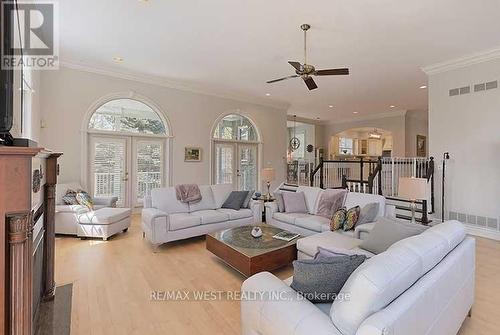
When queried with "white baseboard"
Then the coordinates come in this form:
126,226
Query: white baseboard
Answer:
483,232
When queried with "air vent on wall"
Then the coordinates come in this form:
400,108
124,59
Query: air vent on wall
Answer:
477,88
492,85
464,90
475,220
455,91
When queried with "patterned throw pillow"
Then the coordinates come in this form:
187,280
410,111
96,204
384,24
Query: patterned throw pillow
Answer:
338,219
85,199
352,217
70,198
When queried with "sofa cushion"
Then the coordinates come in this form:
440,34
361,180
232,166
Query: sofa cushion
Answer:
221,192
369,213
312,195
312,222
71,209
207,200
330,201
61,190
361,199
165,199
382,278
211,216
235,215
288,217
386,232
295,202
328,239
183,220
104,216
235,200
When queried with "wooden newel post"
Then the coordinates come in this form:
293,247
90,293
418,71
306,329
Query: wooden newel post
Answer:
321,174
379,167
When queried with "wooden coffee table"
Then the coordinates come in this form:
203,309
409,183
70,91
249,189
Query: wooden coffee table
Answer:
250,255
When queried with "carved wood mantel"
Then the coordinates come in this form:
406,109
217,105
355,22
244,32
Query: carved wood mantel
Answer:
18,201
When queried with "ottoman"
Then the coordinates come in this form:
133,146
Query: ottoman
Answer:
104,222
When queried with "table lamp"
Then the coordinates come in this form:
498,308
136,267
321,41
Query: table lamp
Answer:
268,175
413,189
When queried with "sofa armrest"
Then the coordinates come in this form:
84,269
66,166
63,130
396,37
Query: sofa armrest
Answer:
271,208
256,208
271,307
361,232
155,224
106,201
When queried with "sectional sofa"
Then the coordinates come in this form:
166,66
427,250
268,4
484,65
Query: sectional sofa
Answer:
166,219
421,285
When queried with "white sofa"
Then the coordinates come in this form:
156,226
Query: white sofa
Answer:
66,219
310,223
421,285
166,219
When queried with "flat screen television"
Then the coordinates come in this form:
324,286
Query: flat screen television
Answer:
7,83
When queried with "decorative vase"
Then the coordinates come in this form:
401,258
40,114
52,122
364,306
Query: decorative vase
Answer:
256,232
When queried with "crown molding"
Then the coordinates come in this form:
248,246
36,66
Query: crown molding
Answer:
462,62
159,81
369,117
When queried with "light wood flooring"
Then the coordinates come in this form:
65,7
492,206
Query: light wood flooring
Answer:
113,281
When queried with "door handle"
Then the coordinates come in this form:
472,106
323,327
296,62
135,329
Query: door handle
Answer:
126,177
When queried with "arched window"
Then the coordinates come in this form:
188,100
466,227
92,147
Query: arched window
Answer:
129,116
236,151
127,156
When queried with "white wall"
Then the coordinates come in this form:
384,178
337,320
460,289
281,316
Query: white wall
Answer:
394,124
68,94
467,126
417,123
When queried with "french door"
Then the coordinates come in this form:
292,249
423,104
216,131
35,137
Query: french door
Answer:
237,164
126,167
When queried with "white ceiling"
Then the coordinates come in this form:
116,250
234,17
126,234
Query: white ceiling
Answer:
234,46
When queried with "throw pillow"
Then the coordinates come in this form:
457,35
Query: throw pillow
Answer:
320,280
338,219
235,200
246,202
335,252
330,201
386,232
70,198
368,213
279,201
351,218
295,202
84,199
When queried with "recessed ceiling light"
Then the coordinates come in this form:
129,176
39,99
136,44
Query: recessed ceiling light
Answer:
330,106
355,112
423,87
268,94
318,118
118,59
144,1
392,106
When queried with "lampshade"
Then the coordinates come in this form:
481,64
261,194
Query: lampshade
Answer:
413,188
268,174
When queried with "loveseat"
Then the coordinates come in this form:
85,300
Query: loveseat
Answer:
166,219
309,223
421,285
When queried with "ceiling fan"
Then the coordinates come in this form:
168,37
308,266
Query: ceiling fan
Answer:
306,71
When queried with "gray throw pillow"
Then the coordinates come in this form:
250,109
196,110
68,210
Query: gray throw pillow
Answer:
386,232
279,201
246,202
235,200
321,279
295,202
368,213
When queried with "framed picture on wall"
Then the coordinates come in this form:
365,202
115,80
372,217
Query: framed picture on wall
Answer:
421,146
192,154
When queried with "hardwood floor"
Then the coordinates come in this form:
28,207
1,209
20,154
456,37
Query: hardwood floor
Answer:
113,282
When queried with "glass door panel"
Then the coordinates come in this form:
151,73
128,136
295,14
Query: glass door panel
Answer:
247,167
148,157
109,173
224,163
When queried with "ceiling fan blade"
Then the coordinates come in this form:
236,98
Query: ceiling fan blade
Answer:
332,72
280,79
311,85
296,65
